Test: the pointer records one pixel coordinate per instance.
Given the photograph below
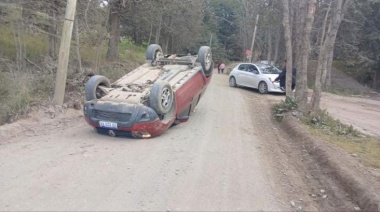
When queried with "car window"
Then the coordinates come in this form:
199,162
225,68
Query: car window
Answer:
243,67
268,69
252,69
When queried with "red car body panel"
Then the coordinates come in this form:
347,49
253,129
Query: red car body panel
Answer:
190,90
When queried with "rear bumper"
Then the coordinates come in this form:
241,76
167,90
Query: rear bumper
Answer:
122,119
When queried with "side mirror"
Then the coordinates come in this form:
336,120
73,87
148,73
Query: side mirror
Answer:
255,71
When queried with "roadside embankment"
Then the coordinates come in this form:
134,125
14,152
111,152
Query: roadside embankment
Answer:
340,170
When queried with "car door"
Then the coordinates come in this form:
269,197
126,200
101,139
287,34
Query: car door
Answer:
241,73
190,92
252,76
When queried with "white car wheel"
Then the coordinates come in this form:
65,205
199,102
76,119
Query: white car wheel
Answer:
233,82
263,87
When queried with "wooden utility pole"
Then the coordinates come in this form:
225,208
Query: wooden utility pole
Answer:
210,40
253,37
64,51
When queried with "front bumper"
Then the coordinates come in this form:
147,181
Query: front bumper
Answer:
275,87
123,119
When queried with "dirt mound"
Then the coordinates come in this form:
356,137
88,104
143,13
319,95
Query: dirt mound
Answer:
46,119
336,169
339,80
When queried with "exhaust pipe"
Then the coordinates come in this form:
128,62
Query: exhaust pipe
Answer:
111,133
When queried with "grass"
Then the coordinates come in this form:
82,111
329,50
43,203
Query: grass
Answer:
366,148
24,84
131,52
21,88
346,137
345,91
331,130
18,92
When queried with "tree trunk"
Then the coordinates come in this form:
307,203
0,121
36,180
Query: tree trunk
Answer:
327,78
168,36
78,44
150,33
300,16
288,45
321,43
158,31
278,39
114,21
327,46
16,28
269,55
375,76
52,30
253,37
301,82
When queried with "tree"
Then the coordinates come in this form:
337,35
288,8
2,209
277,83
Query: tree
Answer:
301,81
114,25
339,9
289,48
297,42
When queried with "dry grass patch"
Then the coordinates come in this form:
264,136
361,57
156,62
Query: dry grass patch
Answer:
366,148
322,125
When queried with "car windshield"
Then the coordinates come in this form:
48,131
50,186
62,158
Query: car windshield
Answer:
268,69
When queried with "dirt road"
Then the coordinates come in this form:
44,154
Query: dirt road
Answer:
363,114
230,156
214,162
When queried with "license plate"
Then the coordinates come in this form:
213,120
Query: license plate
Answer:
106,124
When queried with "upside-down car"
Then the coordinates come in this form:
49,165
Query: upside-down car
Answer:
148,100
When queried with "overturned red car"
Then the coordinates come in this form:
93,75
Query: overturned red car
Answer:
147,101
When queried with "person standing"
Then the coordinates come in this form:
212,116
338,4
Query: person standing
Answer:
282,77
218,66
221,67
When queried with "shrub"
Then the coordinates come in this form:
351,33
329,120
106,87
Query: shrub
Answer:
280,109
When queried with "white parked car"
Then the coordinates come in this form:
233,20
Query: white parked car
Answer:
256,75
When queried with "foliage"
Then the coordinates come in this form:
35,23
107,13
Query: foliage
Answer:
284,107
17,93
321,124
323,121
358,41
34,44
346,137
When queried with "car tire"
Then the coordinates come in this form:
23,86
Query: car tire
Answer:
205,58
161,97
232,82
154,52
92,90
263,87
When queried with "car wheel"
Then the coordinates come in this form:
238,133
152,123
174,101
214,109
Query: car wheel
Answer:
93,86
263,87
205,58
233,82
154,52
161,97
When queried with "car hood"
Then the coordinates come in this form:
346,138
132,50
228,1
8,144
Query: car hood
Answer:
271,76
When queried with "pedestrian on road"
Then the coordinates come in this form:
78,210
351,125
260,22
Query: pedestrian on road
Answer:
221,67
